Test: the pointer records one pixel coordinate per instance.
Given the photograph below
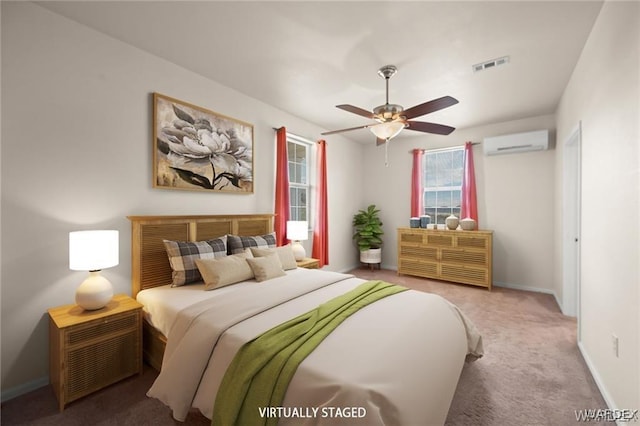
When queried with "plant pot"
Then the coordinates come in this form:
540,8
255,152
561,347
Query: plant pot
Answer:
371,256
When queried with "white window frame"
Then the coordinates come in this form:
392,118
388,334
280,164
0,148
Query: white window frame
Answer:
297,140
425,189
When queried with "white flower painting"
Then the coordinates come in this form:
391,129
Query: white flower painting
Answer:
198,149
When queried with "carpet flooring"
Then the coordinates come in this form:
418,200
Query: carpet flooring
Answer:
532,372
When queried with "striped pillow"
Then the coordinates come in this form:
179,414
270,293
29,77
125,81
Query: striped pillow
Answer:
183,255
237,244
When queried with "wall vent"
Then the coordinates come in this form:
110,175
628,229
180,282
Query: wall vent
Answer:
518,142
490,64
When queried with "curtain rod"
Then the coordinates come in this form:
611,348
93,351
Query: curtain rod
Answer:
447,147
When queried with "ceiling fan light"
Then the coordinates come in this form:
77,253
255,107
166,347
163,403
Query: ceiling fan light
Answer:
387,130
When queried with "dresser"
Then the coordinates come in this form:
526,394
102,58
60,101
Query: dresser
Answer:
457,256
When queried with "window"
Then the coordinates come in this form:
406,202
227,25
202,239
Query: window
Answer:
298,159
443,171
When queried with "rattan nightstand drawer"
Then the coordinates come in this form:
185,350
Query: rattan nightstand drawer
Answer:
93,349
308,263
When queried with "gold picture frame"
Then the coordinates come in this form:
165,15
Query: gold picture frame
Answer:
200,150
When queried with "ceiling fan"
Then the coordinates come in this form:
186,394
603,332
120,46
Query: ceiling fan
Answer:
391,119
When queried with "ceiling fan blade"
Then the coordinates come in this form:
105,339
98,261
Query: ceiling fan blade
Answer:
428,107
347,130
356,110
380,141
421,126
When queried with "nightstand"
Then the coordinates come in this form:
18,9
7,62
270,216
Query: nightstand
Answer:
89,350
308,263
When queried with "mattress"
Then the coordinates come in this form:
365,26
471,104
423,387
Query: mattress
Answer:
162,304
397,361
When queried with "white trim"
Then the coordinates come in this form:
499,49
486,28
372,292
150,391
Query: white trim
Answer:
523,287
571,213
308,147
299,139
24,388
596,378
449,148
529,288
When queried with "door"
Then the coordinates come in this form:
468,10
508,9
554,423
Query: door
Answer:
571,226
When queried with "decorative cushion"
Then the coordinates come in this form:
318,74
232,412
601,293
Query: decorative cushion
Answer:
237,244
226,270
285,254
183,254
266,267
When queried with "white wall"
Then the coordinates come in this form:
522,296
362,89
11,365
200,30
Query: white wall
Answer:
514,191
77,154
604,94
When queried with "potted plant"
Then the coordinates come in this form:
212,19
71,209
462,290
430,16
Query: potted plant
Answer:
368,230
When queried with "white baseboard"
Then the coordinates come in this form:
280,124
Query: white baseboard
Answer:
596,377
361,265
24,388
529,288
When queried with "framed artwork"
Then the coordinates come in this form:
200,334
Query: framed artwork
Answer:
198,149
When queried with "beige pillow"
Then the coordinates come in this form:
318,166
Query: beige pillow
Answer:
285,254
266,267
227,270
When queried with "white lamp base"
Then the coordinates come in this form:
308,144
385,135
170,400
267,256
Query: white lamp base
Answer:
298,251
94,292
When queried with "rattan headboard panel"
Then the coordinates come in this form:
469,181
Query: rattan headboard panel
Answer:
253,227
208,230
149,263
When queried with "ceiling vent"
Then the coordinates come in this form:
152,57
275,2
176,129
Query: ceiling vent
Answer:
491,64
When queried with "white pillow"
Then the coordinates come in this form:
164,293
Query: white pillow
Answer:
285,254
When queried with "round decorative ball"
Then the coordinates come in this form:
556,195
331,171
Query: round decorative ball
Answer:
452,222
468,224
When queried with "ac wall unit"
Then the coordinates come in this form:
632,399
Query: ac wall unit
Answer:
517,142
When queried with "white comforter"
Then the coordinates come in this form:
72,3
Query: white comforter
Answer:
395,362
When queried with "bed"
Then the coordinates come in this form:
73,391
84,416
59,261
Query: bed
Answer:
396,361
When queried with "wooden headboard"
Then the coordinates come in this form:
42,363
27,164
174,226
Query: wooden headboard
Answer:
149,262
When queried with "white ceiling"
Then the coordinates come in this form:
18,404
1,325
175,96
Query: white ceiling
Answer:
307,57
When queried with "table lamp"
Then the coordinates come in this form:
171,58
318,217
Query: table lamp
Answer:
297,230
92,251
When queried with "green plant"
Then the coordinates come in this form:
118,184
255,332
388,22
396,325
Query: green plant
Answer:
368,228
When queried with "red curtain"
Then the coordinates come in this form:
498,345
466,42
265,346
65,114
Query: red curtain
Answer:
417,208
321,230
469,206
281,209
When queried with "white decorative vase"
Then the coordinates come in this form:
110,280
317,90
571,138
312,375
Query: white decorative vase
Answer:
452,222
371,256
468,224
94,292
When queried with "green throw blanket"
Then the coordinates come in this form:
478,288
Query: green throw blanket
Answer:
260,373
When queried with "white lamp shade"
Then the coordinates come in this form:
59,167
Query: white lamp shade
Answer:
93,250
297,230
388,129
